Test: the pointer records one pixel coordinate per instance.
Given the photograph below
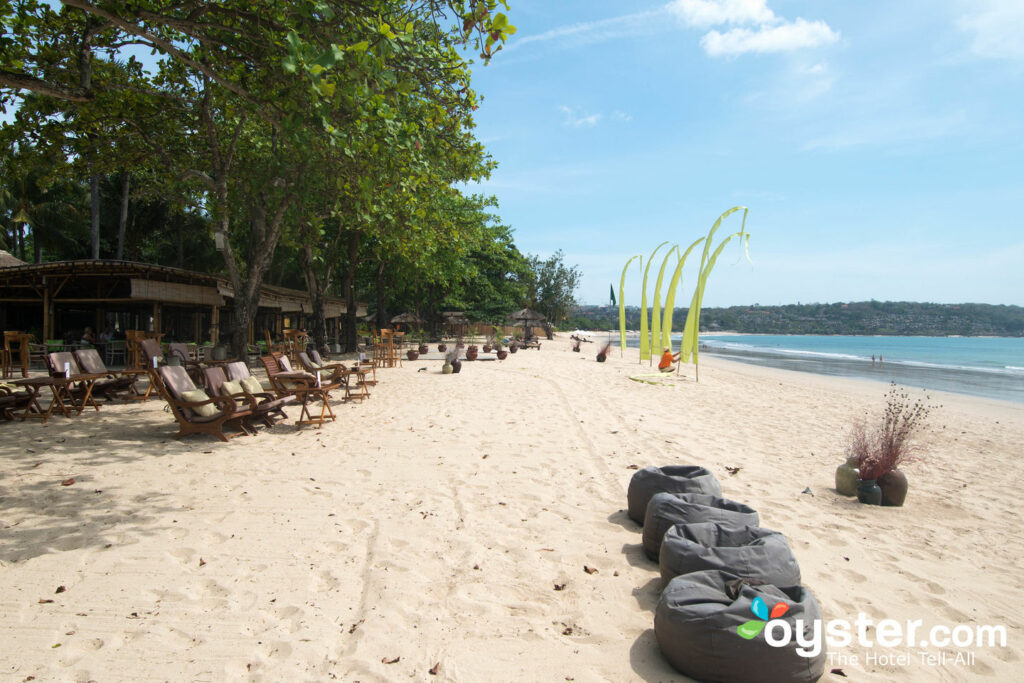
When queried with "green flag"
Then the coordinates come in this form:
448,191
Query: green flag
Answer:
611,293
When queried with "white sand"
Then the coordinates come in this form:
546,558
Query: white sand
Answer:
431,524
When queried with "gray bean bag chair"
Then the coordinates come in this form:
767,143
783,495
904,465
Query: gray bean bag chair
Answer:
672,479
749,552
668,509
700,619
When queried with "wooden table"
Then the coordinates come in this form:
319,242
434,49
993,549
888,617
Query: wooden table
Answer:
314,393
62,399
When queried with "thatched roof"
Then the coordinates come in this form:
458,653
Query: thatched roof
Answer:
7,260
526,314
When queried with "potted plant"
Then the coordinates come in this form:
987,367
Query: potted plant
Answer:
500,351
602,355
879,451
451,358
423,348
442,347
471,352
847,476
412,354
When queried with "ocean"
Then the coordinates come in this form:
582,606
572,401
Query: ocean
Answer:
992,367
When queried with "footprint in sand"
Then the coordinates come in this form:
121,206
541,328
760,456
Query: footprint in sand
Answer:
856,577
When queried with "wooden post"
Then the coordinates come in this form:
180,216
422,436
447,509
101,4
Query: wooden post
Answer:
215,325
47,323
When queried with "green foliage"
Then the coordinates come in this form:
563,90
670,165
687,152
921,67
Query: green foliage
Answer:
551,288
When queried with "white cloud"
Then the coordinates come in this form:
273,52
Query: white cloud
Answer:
784,37
708,13
594,31
621,116
996,27
770,33
576,120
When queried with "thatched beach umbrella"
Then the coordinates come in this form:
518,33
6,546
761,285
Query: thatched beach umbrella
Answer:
407,318
527,317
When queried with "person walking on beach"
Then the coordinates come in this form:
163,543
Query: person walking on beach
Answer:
872,360
667,360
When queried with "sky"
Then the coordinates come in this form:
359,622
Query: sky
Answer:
877,144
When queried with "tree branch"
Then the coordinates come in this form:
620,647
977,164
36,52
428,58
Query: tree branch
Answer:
170,49
19,81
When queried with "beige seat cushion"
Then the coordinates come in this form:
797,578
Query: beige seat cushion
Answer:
208,410
231,388
252,385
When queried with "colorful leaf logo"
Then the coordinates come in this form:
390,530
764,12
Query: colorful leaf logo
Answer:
752,628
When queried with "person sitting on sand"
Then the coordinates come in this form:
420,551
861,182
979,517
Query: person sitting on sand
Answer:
666,364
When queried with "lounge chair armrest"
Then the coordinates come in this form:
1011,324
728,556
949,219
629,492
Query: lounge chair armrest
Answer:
226,403
247,397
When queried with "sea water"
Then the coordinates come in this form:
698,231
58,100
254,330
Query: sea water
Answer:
981,366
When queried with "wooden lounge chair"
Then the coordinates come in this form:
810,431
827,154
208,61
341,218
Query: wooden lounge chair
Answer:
12,399
79,393
179,353
302,385
266,409
359,374
187,407
238,371
116,383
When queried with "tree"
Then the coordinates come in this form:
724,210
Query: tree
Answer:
552,286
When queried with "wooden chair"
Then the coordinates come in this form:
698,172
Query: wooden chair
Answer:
176,387
79,393
12,399
359,372
335,375
15,353
116,383
270,409
179,353
272,346
301,385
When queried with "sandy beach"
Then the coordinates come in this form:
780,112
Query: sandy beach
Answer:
444,529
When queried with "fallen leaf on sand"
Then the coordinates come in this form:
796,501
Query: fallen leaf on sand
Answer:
559,586
355,626
391,661
68,482
202,562
44,601
60,589
433,669
547,550
733,471
589,570
632,467
838,672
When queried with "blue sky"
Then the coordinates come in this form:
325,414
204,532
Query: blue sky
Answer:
878,145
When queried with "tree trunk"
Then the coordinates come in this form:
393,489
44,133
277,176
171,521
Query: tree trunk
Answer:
122,221
316,288
349,339
381,321
37,247
94,191
180,236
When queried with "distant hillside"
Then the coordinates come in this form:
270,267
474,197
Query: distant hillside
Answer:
864,317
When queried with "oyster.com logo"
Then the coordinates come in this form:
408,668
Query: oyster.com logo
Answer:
752,628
